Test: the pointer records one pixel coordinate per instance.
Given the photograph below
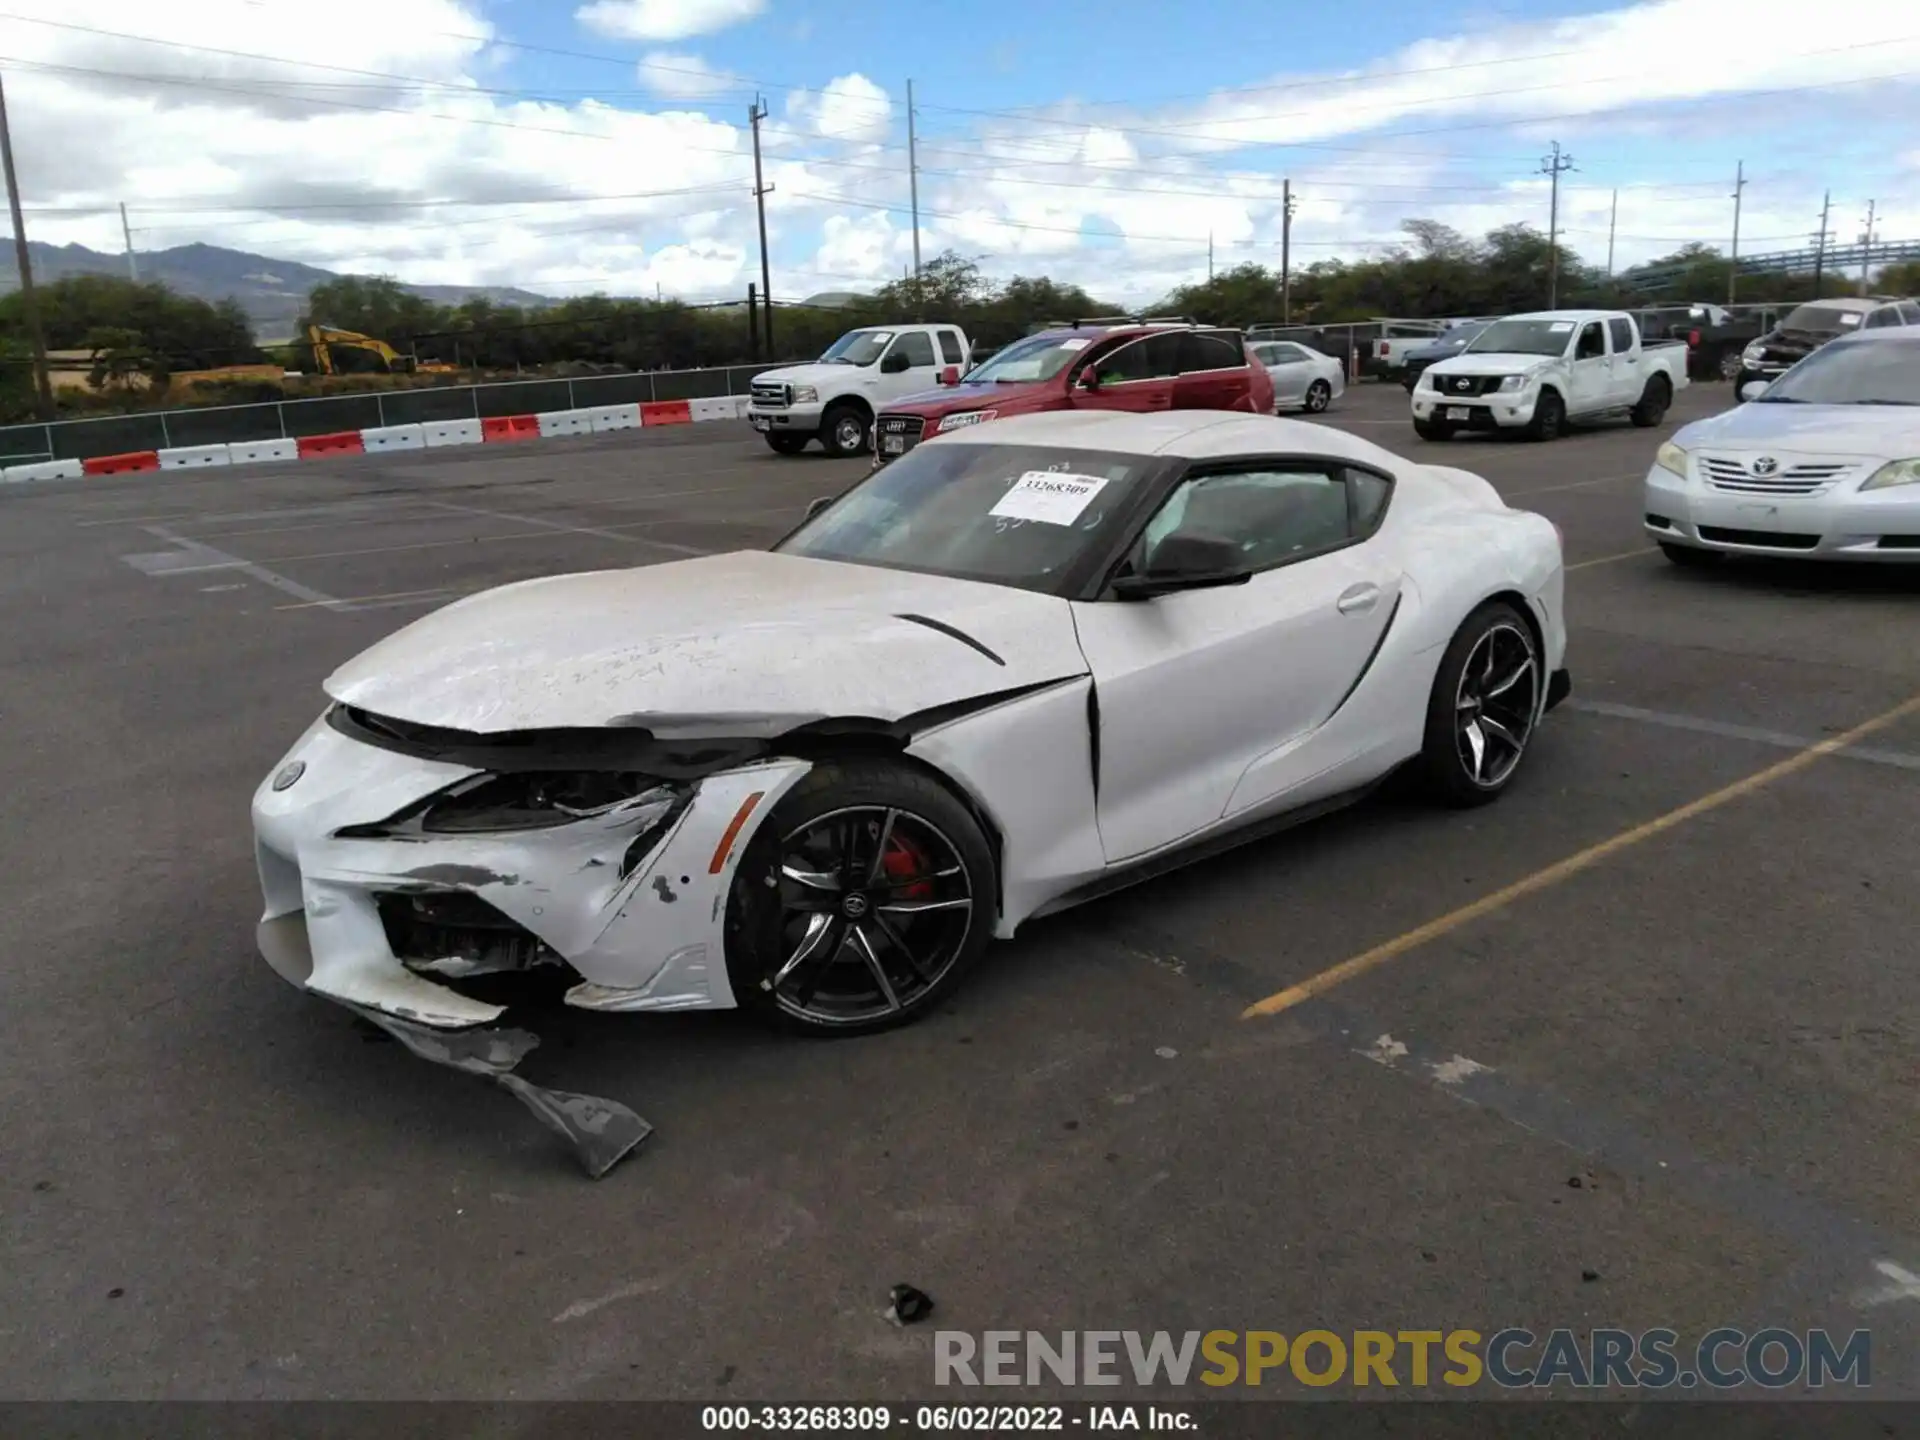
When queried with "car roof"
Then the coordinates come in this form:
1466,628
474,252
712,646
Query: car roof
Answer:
1847,302
1185,434
1895,335
1576,317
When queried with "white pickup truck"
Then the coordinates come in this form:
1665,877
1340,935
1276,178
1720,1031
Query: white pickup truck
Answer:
834,399
1538,373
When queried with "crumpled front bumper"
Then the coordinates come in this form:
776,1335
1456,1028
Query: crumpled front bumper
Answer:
641,936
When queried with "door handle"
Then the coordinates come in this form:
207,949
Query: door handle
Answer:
1358,600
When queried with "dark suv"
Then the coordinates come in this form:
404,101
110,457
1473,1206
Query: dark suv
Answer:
1812,325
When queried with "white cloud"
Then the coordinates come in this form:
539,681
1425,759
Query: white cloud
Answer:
665,19
849,107
686,77
328,165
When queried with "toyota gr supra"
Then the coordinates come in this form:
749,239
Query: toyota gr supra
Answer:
1024,664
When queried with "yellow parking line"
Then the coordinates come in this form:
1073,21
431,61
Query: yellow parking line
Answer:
1609,559
1553,874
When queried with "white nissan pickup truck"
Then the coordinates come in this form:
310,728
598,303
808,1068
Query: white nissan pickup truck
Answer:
834,399
1539,373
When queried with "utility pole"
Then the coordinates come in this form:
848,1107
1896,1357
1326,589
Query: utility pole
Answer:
1209,257
1286,248
757,112
913,180
1739,189
1613,219
126,233
1820,248
1554,165
753,321
29,304
1866,248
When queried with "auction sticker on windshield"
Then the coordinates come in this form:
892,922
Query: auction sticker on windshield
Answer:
1052,497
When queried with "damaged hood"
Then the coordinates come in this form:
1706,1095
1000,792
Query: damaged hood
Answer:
748,644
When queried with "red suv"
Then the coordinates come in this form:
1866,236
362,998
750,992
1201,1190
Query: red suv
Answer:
1092,366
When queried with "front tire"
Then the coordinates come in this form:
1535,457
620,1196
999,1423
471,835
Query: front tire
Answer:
861,901
1549,417
845,431
1485,702
786,442
1654,402
1433,429
1319,396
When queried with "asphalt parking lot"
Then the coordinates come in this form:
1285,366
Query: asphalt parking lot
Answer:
1674,1082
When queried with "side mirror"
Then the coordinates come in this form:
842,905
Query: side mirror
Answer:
1186,562
817,504
950,375
1088,379
1753,389
896,361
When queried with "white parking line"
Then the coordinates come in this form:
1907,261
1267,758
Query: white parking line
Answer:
1779,739
205,557
562,527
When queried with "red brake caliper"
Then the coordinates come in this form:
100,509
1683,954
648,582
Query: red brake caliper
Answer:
903,861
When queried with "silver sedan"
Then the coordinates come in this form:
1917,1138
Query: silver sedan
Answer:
1302,379
1825,464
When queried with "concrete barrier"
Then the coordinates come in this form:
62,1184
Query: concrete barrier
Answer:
44,470
192,457
257,452
496,428
666,412
340,442
394,437
721,407
565,422
123,464
614,417
451,432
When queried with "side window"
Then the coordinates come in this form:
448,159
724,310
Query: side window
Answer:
1273,515
950,352
1211,352
1125,362
1910,312
1884,317
1622,329
1287,354
917,346
1591,346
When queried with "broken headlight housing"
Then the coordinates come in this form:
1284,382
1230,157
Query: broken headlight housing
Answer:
535,800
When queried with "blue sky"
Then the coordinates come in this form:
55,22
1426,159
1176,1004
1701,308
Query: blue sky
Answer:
572,145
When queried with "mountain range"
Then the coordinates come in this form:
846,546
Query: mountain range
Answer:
272,292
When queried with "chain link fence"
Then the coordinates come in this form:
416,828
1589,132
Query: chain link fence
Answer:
290,419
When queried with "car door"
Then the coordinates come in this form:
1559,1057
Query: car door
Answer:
1627,372
1213,373
1292,370
1589,375
1196,689
921,371
1136,375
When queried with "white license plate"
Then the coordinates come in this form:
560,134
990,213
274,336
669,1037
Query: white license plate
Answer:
760,422
894,444
1459,412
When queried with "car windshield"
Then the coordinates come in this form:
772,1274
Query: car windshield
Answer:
1855,372
857,347
1463,334
1522,337
1822,319
1019,515
1039,357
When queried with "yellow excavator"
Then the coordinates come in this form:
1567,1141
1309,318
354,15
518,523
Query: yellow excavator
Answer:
347,352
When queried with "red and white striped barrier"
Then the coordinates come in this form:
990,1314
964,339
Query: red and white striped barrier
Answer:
494,429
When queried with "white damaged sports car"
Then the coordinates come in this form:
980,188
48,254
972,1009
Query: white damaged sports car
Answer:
1028,663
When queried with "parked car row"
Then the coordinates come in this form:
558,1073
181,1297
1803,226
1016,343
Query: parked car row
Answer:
887,388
